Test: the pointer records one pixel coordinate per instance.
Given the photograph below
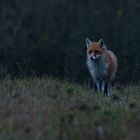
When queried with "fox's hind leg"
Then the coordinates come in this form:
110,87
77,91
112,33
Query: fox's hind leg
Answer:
95,87
109,88
106,87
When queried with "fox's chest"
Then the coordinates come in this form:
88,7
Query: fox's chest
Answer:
98,70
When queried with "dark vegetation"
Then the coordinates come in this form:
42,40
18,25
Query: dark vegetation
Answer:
47,109
48,37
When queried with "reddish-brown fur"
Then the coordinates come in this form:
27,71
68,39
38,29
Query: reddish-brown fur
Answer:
109,57
111,60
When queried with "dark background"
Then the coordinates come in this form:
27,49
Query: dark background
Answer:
47,37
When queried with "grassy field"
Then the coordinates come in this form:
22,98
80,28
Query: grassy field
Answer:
48,109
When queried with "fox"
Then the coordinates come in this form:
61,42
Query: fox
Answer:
102,65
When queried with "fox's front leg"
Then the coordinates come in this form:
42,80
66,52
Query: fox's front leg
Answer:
97,84
103,86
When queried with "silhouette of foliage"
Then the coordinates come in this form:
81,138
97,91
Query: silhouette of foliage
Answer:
48,37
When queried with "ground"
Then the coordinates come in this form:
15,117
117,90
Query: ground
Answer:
51,109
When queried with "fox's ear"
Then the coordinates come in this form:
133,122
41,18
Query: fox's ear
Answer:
101,42
88,42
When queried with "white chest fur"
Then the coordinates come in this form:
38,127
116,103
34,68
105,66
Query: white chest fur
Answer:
98,70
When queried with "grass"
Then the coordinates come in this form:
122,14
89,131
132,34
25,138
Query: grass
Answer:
50,109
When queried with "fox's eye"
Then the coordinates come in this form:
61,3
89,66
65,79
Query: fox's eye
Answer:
90,51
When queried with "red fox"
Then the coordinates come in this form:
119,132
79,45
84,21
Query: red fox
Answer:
102,65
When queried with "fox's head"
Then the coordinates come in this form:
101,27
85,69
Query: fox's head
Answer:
95,50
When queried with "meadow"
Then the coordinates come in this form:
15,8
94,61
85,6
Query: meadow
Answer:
51,109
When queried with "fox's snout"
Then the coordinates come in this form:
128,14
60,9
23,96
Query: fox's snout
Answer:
94,57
